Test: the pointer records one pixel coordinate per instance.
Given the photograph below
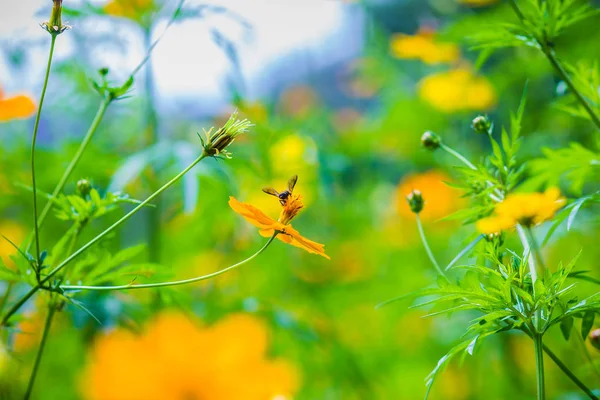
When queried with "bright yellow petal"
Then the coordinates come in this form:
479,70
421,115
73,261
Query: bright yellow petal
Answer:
254,215
293,237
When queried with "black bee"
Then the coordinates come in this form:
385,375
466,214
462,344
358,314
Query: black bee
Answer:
283,196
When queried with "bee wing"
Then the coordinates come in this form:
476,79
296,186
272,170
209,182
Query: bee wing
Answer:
292,183
271,191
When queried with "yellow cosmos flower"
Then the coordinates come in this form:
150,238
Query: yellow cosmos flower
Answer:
135,10
441,200
16,107
423,46
457,90
176,358
268,226
527,209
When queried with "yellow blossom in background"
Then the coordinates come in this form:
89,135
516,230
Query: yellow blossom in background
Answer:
268,226
440,199
477,3
527,209
16,107
423,46
135,10
176,358
458,90
16,233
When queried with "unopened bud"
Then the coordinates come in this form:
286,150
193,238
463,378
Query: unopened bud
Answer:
415,201
84,187
595,338
54,26
430,140
481,124
216,143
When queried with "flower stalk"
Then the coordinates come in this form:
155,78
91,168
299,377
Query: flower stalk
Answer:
38,358
539,362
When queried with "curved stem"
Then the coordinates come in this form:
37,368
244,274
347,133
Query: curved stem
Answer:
96,239
38,357
569,374
427,248
74,162
33,141
172,283
539,362
457,155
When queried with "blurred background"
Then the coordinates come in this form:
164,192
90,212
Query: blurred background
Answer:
340,93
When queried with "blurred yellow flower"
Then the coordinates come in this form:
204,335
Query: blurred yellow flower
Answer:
423,46
440,199
16,233
16,107
268,226
176,358
457,90
135,10
477,3
527,209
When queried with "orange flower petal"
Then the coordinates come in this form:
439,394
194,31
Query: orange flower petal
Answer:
293,237
20,106
254,215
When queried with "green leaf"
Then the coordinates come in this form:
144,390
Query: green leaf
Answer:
587,323
566,324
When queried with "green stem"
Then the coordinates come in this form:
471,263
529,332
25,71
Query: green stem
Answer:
539,362
38,357
457,155
551,56
33,141
427,248
108,230
74,162
537,252
549,52
6,296
588,356
567,371
173,283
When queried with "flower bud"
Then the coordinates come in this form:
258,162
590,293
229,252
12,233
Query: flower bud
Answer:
481,124
430,140
55,26
595,338
415,201
84,187
216,143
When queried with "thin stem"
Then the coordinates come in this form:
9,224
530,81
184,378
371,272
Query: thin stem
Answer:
539,362
588,356
457,155
427,248
33,141
551,56
74,162
6,296
549,52
83,248
38,357
537,252
569,374
173,283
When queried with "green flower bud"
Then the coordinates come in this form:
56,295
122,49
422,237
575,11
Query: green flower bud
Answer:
55,26
481,124
84,187
595,338
430,140
415,201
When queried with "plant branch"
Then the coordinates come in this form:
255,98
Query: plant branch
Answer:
539,362
172,283
38,357
427,248
33,142
569,374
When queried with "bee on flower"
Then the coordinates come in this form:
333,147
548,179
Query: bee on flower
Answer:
280,228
